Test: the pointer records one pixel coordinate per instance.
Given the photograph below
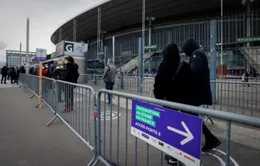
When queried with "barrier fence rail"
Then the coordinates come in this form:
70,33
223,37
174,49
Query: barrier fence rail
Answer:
108,129
229,95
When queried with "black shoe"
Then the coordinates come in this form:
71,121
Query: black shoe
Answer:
210,144
170,160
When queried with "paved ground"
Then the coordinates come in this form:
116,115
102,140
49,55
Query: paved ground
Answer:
24,139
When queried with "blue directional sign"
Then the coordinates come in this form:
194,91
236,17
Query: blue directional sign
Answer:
175,133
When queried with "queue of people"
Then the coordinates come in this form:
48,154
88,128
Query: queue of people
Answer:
186,83
12,73
65,71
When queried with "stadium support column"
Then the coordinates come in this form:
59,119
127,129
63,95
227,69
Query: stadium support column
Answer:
27,44
60,34
98,37
140,66
141,44
221,66
248,28
150,19
113,49
74,30
213,42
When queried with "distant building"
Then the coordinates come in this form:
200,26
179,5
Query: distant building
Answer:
15,58
2,64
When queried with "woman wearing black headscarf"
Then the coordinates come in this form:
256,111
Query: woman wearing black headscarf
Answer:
172,81
167,69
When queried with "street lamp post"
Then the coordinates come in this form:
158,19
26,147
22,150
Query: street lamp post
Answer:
27,44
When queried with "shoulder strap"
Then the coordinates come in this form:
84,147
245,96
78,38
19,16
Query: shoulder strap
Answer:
107,70
177,71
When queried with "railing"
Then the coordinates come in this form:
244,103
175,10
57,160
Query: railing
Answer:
230,96
73,104
106,129
128,150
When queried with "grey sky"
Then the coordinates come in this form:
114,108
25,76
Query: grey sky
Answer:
45,17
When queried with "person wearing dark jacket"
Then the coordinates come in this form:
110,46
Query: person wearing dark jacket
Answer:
59,74
165,72
53,66
13,75
22,70
71,75
201,92
172,81
4,71
31,70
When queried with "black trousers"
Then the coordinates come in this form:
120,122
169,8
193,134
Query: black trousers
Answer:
205,130
69,90
3,79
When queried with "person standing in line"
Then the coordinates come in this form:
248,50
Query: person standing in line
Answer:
13,75
59,74
109,77
17,75
9,69
71,75
53,66
22,70
4,71
201,91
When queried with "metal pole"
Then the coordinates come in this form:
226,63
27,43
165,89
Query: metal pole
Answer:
27,44
213,42
141,45
105,55
143,20
20,54
150,31
113,49
98,37
221,46
248,29
140,66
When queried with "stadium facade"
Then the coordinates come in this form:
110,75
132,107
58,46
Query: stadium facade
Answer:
112,30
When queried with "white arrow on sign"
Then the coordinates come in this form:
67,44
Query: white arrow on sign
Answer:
187,133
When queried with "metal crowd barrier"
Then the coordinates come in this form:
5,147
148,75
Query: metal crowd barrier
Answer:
237,97
77,109
230,95
116,145
30,82
73,104
106,129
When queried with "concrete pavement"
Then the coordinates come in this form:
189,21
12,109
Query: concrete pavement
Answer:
26,141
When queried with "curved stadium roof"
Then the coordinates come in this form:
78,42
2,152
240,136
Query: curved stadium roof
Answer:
121,15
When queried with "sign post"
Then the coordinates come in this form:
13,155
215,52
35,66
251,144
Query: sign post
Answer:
175,133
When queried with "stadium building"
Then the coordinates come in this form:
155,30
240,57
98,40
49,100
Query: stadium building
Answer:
227,32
